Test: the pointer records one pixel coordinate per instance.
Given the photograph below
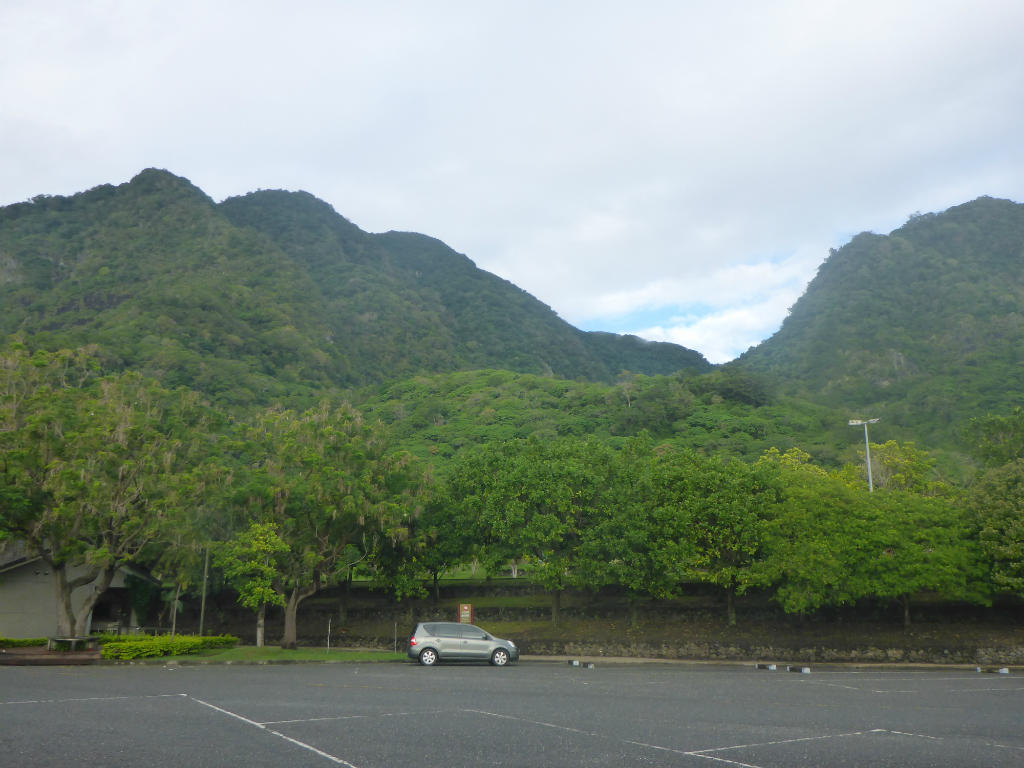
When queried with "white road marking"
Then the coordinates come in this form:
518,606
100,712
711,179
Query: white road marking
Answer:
786,741
314,719
533,722
348,717
713,753
262,727
93,698
702,753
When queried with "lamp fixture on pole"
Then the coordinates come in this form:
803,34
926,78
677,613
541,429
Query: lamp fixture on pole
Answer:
867,446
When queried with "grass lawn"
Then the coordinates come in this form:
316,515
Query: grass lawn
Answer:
273,654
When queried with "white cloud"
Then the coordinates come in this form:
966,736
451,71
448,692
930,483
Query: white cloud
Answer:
723,334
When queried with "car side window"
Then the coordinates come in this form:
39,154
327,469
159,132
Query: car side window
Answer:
447,630
473,633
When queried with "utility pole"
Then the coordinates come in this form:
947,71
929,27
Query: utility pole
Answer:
867,446
206,574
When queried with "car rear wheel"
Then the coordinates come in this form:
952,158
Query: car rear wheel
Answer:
499,658
428,657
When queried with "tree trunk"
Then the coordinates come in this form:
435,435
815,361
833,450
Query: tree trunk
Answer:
343,600
437,587
556,606
174,610
730,604
76,623
65,611
291,611
905,600
261,621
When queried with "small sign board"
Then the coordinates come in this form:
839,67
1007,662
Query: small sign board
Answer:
465,613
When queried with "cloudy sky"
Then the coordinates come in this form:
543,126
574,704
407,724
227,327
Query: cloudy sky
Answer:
671,168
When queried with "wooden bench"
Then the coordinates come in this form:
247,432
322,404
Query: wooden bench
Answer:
88,643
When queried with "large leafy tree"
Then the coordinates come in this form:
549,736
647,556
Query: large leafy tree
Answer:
86,465
251,560
202,512
532,501
327,481
834,542
439,539
639,536
997,506
996,500
812,537
912,543
730,504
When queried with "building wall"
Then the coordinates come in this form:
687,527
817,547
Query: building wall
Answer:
27,603
28,600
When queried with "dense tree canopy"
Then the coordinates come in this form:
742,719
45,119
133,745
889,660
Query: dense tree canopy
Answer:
262,373
921,327
88,463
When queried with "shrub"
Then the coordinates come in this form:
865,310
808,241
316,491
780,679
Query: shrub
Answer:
151,646
24,642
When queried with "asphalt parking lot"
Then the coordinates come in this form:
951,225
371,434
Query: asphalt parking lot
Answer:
530,714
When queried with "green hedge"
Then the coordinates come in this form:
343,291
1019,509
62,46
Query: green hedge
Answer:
146,646
23,642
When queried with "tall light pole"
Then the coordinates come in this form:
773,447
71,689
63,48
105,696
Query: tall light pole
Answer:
867,446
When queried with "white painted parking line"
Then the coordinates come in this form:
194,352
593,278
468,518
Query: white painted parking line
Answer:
709,753
92,698
262,727
533,722
701,753
352,717
714,754
315,719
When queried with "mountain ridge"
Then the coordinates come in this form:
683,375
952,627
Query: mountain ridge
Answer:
925,324
274,295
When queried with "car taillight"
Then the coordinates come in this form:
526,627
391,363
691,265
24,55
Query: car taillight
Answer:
412,641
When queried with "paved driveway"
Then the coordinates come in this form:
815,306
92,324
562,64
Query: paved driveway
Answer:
531,714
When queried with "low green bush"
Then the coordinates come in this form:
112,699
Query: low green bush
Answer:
151,646
21,642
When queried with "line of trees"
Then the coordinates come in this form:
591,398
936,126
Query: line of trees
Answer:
100,471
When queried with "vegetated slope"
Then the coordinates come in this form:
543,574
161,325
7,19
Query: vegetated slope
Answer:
436,416
273,296
923,328
422,306
163,283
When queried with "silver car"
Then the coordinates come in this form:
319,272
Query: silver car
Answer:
434,641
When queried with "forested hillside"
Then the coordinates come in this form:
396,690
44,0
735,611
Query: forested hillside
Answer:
439,416
275,297
923,328
262,381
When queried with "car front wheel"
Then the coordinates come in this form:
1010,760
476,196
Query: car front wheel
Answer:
428,657
499,658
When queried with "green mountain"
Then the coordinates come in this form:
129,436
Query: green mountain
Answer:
274,296
922,328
